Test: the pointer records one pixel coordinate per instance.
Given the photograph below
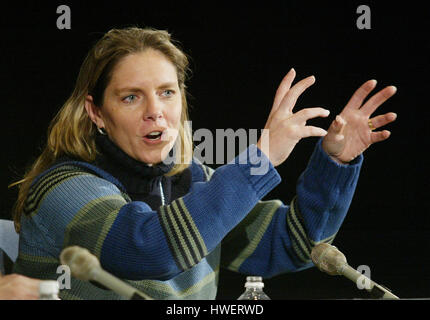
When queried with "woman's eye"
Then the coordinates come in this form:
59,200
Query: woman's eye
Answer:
129,98
168,93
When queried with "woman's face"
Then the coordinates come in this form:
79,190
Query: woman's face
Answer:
142,106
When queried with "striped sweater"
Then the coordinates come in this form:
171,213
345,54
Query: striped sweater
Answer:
174,251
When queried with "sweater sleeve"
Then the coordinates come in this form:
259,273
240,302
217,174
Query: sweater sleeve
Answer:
276,237
136,242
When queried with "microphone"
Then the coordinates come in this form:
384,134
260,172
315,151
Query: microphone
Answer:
86,267
329,259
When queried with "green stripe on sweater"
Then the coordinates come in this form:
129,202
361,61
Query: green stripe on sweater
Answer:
185,240
84,229
198,239
39,267
161,290
299,238
179,236
168,225
326,240
302,243
192,249
249,233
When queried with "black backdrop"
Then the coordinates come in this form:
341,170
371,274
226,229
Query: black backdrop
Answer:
240,52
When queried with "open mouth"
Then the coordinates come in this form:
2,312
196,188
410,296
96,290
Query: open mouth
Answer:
154,135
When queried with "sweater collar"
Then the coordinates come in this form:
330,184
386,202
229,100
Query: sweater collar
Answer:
139,179
120,162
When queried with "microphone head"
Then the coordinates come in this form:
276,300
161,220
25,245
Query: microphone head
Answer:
328,258
80,261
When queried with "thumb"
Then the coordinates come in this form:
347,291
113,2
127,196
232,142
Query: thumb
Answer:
338,124
337,127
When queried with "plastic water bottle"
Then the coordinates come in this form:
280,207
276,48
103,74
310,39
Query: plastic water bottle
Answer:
48,290
254,289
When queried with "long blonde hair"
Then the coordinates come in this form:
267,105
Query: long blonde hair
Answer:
72,133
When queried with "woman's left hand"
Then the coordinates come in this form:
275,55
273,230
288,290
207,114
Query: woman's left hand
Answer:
352,131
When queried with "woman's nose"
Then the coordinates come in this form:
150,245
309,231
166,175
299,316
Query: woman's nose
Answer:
153,110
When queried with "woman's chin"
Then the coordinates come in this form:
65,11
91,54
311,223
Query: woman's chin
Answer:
153,159
150,160
154,154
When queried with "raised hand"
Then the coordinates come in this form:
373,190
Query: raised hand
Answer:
284,128
352,131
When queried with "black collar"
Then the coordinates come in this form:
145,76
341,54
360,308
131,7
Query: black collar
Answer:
122,161
141,181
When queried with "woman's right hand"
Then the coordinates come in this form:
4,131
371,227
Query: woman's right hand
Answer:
284,128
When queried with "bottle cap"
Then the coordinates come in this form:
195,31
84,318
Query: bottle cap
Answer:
254,282
47,287
256,285
254,279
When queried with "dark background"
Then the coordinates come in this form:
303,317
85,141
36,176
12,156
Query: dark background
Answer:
240,53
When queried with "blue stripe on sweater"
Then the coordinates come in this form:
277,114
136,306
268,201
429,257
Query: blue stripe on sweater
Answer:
135,247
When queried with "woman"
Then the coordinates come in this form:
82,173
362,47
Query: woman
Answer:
101,182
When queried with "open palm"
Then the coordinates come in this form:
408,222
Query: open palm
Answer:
351,132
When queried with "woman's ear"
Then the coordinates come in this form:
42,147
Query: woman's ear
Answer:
93,112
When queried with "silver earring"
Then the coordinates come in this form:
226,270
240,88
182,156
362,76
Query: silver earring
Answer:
102,131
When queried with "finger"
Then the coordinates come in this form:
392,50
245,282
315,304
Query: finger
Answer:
382,120
358,97
379,98
283,88
336,129
309,113
287,104
311,131
338,125
379,136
